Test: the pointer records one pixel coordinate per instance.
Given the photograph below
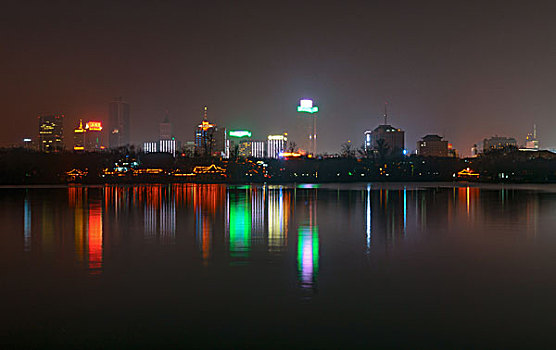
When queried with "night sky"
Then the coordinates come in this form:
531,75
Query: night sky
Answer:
462,69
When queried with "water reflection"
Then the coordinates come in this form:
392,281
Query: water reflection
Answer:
242,224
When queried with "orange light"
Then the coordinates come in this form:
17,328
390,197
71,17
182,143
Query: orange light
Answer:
94,126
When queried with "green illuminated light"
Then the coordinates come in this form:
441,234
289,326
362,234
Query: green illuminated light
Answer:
240,133
311,110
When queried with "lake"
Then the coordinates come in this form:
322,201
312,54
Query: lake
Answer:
294,266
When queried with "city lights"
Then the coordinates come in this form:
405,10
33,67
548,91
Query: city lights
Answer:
306,106
240,133
93,126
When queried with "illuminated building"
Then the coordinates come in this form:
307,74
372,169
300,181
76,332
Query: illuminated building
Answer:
79,137
204,135
531,142
150,147
51,132
118,123
385,139
167,146
432,146
498,142
276,144
93,136
251,148
28,143
306,106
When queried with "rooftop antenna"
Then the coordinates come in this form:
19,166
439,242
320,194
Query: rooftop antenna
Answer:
205,116
385,113
534,131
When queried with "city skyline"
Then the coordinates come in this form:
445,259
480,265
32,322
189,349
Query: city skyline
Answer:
462,71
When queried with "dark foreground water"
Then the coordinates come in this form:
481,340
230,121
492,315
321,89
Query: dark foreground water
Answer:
335,266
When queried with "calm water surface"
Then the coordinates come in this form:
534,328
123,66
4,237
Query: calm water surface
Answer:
331,266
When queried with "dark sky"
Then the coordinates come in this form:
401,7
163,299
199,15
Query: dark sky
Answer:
462,69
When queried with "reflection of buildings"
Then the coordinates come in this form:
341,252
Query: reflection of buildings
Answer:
238,220
279,212
94,243
308,245
258,231
207,199
88,228
159,214
27,219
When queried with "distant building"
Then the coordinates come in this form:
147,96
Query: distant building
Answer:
118,123
79,137
276,144
204,135
385,139
150,147
211,139
251,149
93,136
166,129
392,140
498,142
433,146
51,132
531,141
167,146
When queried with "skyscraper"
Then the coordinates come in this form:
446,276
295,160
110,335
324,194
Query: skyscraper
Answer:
166,128
118,123
51,132
79,137
276,144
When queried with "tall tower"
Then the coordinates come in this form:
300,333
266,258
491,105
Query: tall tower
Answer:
118,123
166,128
306,106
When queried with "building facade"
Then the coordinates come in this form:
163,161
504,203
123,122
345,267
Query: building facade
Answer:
118,123
498,142
251,149
385,140
79,137
433,146
51,132
276,144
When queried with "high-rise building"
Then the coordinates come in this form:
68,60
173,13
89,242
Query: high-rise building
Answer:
385,139
210,139
93,136
166,129
498,142
167,146
432,146
51,132
531,141
204,135
150,147
118,123
276,144
251,148
79,137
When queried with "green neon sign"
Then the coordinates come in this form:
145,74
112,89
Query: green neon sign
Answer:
240,133
306,106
